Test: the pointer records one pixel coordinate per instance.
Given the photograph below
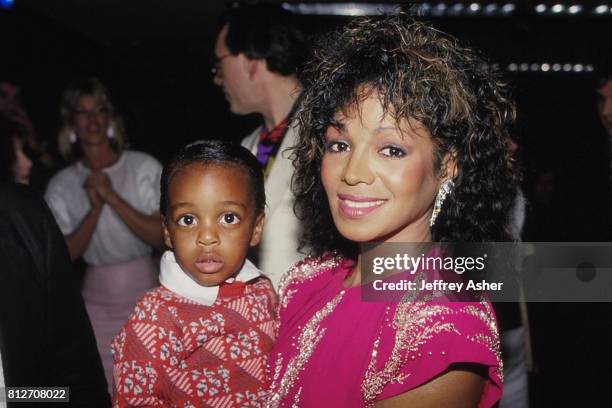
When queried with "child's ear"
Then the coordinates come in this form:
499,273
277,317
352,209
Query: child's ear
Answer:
167,239
257,231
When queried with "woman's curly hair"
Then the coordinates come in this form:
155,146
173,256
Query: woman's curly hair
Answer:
418,72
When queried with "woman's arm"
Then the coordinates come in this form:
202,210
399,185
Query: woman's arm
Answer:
453,389
147,227
78,240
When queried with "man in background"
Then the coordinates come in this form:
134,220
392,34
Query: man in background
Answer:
257,55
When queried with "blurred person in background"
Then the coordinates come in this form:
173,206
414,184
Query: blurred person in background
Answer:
45,336
107,206
257,55
15,165
43,162
604,94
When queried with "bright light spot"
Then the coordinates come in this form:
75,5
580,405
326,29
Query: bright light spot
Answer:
512,67
353,11
558,8
601,9
474,7
534,67
576,8
589,68
567,67
425,7
556,67
508,8
523,67
545,67
439,9
458,7
578,68
540,8
490,8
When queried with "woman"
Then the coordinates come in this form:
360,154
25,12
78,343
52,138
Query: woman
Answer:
404,141
15,165
107,206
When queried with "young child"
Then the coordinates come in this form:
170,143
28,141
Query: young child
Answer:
203,337
404,140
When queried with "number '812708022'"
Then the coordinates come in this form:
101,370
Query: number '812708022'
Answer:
34,394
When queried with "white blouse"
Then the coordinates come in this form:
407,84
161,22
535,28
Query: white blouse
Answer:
135,177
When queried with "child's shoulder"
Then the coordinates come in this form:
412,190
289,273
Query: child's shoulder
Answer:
260,284
262,287
155,303
158,295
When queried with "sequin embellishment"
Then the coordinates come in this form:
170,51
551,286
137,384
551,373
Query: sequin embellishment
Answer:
309,338
308,268
415,325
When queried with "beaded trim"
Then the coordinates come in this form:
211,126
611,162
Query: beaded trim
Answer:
309,338
308,268
487,316
415,326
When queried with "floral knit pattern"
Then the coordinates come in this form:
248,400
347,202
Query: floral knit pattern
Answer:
174,352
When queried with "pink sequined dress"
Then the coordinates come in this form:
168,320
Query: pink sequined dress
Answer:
336,350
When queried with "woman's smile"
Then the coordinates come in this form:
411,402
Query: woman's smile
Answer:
351,206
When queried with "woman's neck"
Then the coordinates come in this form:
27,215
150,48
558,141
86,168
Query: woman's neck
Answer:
99,156
418,232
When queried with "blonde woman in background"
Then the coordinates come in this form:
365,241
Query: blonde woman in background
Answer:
107,206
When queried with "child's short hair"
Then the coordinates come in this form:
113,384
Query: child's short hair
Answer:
215,153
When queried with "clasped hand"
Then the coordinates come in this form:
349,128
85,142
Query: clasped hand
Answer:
99,189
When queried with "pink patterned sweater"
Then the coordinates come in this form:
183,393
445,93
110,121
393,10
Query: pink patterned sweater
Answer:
174,352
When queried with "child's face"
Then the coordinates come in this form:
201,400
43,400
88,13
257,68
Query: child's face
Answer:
380,181
211,221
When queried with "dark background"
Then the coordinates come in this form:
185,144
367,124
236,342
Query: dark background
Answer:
153,55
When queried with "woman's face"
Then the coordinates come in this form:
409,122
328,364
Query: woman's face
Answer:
22,165
91,121
379,176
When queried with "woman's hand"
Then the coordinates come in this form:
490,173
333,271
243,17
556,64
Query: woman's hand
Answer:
99,182
94,199
78,240
146,227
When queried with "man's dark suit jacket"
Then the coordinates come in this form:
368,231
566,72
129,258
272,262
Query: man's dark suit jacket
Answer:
45,335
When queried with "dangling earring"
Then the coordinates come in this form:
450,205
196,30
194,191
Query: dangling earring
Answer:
445,189
110,132
72,138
